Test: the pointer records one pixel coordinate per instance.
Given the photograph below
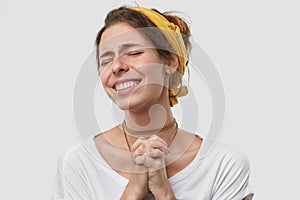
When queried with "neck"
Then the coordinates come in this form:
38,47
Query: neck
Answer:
144,124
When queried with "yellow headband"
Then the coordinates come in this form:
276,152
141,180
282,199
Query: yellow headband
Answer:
173,35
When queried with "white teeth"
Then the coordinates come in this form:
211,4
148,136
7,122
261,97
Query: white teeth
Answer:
123,86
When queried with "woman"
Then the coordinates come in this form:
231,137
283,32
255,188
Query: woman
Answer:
142,55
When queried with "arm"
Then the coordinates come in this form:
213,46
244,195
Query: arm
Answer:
136,189
137,186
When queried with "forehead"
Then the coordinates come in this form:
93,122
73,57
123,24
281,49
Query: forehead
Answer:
119,34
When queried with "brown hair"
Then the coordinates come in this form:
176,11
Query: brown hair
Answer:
139,20
155,36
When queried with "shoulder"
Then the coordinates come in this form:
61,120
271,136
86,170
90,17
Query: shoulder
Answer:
233,172
232,163
67,170
230,156
77,155
73,152
73,172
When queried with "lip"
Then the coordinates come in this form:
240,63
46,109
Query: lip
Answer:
127,90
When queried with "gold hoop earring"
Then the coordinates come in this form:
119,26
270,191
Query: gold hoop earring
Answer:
176,88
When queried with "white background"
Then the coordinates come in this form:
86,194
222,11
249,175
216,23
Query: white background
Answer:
254,45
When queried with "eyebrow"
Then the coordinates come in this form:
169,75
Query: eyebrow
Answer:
123,47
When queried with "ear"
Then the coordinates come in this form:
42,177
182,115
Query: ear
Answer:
172,64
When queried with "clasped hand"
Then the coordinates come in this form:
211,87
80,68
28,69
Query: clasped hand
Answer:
149,154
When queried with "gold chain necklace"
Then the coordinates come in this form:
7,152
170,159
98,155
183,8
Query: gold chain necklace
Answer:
173,135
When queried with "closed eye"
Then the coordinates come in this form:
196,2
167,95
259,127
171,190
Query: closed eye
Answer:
134,53
105,62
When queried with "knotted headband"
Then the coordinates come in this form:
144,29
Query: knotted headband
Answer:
173,35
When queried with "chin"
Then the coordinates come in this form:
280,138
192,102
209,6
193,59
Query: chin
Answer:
122,106
140,99
128,105
134,104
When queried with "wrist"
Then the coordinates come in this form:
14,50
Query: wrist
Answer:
133,192
165,193
132,195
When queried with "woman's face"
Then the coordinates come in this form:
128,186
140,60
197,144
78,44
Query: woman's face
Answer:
131,71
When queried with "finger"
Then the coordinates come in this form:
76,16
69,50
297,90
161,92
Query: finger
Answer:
156,137
156,144
143,145
138,168
140,149
155,153
137,143
153,164
139,160
159,143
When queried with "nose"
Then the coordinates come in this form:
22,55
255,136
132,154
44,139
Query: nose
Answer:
119,67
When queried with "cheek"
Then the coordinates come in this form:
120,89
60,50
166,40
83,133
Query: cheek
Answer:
104,75
154,73
104,81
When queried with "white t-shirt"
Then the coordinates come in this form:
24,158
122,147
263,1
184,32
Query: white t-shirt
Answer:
221,175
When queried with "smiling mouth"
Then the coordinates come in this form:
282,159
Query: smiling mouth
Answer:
126,86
